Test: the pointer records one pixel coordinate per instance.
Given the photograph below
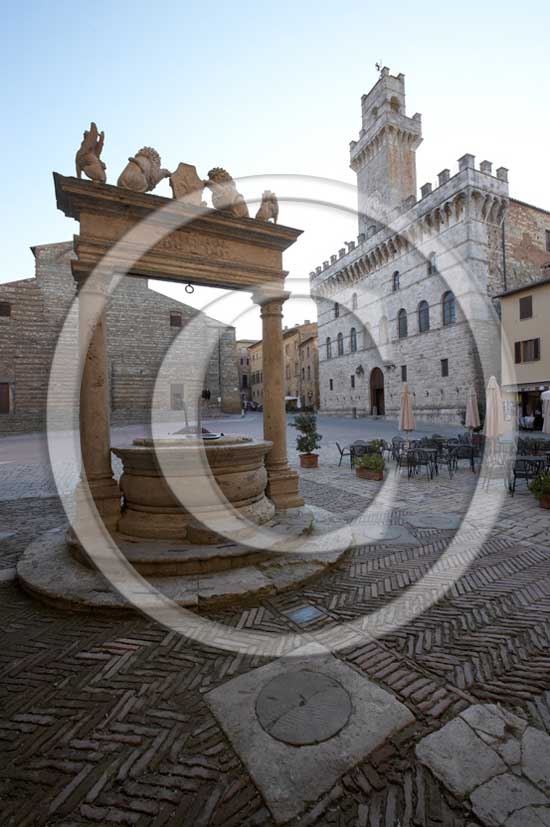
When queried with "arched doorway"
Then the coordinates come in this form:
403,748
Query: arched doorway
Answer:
377,392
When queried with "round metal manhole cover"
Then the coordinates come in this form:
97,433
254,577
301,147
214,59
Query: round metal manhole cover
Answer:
304,707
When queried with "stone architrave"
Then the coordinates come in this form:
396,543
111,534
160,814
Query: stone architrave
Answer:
187,186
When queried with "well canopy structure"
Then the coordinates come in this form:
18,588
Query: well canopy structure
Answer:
139,234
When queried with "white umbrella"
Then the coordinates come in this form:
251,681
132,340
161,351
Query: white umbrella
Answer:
406,416
545,399
494,416
472,410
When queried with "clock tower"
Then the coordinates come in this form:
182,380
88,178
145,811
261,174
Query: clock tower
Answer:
384,157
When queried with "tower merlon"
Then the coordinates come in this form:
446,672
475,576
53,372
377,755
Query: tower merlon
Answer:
467,162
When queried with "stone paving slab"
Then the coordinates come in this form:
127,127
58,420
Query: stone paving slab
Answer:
289,777
496,760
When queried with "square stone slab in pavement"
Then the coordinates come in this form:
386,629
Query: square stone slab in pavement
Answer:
495,758
301,722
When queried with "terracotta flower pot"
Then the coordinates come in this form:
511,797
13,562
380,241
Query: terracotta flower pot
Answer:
309,460
545,501
367,474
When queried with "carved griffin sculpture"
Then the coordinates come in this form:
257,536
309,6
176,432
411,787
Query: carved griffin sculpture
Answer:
87,158
224,193
269,208
143,171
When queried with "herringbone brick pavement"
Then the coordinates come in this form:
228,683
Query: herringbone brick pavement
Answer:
104,721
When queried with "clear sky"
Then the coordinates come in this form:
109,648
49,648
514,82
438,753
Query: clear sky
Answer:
261,88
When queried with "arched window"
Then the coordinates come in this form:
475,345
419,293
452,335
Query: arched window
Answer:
336,310
395,281
329,348
449,308
423,317
432,268
402,330
340,340
353,340
383,332
354,302
394,103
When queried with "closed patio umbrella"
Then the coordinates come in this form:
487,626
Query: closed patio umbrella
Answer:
472,410
406,416
494,417
545,400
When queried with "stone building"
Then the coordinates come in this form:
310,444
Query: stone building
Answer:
301,366
525,315
256,373
309,370
294,369
142,325
414,297
243,365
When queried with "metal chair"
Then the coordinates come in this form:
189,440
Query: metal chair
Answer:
417,459
386,448
344,452
397,445
458,452
521,469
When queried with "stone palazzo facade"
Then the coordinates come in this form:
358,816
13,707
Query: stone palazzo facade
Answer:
301,367
142,327
414,297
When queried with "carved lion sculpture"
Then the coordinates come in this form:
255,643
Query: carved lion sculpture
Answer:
87,158
269,208
142,172
224,193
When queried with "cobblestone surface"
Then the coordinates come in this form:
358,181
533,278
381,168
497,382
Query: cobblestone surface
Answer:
104,722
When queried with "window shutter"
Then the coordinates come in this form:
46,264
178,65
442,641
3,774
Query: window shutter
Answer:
536,348
517,347
526,307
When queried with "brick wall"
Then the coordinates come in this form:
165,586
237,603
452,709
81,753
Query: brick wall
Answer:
140,339
525,229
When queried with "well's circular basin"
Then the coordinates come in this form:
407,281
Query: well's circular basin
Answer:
169,484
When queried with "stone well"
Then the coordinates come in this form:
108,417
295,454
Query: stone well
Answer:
182,488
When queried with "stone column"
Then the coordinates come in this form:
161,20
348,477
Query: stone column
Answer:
95,415
283,486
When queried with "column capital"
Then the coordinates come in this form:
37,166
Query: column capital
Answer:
269,294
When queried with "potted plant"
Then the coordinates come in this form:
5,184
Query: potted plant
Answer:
370,467
308,440
540,487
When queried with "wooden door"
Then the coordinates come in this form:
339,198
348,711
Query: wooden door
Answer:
4,398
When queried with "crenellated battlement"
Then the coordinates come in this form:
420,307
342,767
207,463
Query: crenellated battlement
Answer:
471,192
